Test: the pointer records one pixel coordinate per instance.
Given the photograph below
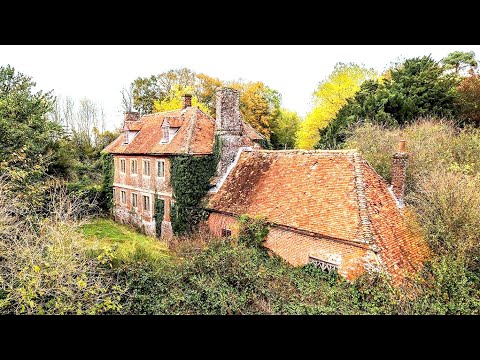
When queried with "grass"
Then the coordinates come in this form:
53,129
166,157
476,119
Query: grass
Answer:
124,241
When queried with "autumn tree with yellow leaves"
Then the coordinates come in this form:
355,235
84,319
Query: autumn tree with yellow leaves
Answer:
329,97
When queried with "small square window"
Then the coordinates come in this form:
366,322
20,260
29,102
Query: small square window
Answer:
226,233
122,166
161,168
133,166
123,195
146,203
134,200
146,167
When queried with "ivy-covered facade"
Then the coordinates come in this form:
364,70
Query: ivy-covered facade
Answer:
165,163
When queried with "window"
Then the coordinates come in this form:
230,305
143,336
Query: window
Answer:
122,166
134,200
226,233
146,203
133,166
114,196
123,195
322,264
166,133
146,167
161,168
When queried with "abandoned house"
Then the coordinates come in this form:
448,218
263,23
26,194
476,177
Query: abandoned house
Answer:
142,154
329,208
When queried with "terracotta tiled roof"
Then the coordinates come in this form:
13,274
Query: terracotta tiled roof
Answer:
332,194
195,134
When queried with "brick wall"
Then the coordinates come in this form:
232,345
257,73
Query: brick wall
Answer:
142,185
296,248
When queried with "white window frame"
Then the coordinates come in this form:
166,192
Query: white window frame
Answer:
149,210
156,168
322,264
123,196
132,161
145,161
135,203
124,169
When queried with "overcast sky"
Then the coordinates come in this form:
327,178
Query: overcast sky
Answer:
99,72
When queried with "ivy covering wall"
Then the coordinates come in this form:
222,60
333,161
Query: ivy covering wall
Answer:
190,179
107,185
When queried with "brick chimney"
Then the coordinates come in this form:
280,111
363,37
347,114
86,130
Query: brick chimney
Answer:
399,172
187,101
228,126
130,117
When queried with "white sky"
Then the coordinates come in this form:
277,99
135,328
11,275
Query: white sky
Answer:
99,72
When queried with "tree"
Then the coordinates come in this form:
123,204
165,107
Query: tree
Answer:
27,136
174,100
469,93
259,105
329,97
205,89
285,129
418,87
460,60
127,99
146,91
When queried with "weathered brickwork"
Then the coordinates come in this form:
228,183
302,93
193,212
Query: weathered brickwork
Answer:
131,182
399,174
296,248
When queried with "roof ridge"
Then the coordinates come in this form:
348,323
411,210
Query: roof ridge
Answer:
365,222
158,113
316,152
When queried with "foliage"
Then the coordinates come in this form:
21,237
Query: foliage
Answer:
159,210
107,183
259,105
27,137
329,97
146,90
252,230
460,60
448,205
431,144
44,268
174,100
469,98
190,179
417,87
284,130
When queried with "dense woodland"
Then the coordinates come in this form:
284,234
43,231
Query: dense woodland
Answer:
60,253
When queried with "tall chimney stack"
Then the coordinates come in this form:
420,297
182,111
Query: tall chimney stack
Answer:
228,126
187,100
399,173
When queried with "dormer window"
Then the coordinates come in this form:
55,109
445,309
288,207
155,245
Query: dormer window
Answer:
125,140
166,132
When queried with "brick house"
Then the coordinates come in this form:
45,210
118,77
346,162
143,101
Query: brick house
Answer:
142,154
329,208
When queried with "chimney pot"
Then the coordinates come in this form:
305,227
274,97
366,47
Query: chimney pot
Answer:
187,100
401,146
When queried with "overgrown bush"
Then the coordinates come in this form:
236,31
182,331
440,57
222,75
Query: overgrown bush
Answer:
252,230
432,144
44,268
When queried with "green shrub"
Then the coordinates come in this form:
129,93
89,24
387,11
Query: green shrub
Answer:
252,231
